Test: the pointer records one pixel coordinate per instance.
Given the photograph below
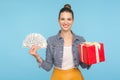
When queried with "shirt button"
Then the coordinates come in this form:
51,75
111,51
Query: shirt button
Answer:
74,58
75,65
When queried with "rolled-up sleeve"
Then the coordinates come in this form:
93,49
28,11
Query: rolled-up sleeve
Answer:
48,62
84,66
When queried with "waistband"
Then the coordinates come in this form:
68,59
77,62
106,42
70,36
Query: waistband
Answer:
68,70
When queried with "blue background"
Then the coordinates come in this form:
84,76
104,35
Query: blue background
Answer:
96,20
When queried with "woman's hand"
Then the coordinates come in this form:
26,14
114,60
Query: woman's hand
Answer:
33,50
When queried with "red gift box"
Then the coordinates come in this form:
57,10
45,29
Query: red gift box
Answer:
91,52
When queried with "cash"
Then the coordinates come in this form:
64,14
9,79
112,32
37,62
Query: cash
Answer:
35,39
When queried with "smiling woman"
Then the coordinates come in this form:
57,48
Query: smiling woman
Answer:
65,21
96,20
62,51
66,18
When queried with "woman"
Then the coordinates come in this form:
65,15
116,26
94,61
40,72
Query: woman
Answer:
62,50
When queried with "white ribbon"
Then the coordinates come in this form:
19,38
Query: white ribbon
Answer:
88,44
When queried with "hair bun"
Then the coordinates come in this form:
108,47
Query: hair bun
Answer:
68,6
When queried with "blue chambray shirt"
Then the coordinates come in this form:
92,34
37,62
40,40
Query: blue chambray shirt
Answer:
54,52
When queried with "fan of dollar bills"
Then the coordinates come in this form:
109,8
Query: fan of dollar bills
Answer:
35,39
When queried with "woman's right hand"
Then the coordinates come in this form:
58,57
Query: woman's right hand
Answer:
33,50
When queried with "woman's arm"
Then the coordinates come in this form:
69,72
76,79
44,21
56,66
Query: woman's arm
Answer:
48,62
33,52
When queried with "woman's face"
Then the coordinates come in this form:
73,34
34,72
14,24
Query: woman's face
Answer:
66,21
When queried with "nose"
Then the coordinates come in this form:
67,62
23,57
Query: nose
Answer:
65,22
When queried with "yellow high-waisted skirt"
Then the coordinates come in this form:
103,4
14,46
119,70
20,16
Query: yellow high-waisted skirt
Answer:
71,74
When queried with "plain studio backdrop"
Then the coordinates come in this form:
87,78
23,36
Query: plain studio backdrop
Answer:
96,20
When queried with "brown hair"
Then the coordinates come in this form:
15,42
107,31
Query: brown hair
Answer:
66,8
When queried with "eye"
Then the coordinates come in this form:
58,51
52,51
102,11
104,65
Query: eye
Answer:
69,19
62,19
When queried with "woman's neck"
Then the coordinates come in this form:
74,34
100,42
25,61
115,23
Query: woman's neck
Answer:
68,37
66,34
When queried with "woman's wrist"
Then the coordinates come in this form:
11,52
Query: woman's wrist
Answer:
38,58
36,55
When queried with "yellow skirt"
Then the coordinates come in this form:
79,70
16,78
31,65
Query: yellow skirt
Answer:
71,74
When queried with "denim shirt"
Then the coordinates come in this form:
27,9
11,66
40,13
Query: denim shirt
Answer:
54,52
